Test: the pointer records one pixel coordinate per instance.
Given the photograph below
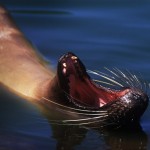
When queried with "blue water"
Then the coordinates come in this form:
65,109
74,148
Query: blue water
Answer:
103,34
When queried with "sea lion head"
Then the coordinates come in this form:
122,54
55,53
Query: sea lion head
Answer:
124,105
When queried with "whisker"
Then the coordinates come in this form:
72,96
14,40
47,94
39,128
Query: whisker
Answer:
84,114
103,82
102,73
146,86
142,84
124,78
85,123
102,123
85,119
79,121
138,83
120,78
108,78
134,81
93,124
71,108
105,77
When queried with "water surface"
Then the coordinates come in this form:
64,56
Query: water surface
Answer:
102,34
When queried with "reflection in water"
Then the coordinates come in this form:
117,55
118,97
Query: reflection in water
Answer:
79,137
72,137
61,136
68,137
127,139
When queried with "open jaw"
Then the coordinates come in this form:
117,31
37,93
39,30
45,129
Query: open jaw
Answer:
82,92
79,87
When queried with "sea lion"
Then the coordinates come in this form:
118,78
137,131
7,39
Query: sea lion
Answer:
24,72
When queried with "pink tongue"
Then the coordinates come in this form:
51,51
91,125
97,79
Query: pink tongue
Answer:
101,102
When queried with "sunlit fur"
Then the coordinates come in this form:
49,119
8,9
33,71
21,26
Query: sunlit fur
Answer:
22,69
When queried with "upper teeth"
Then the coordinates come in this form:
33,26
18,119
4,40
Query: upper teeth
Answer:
64,64
74,57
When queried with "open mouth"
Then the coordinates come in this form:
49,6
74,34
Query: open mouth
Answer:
75,91
80,89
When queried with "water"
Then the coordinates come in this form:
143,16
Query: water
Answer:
103,34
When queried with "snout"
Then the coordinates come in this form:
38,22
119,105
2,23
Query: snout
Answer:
129,108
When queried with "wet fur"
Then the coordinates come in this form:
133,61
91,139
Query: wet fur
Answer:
21,67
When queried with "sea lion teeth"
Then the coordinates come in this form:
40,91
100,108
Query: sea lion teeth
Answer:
64,70
74,57
64,64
